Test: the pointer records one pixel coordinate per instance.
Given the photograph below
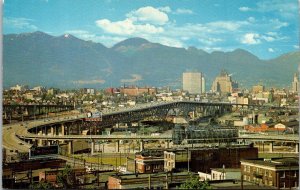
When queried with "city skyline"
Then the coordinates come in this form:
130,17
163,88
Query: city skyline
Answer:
265,28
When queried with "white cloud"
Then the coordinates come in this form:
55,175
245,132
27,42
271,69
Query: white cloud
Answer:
244,9
296,46
272,33
149,14
83,34
286,9
268,38
95,81
210,49
271,50
135,78
251,19
210,41
127,27
184,11
20,23
277,24
226,25
166,9
105,39
211,34
251,39
169,42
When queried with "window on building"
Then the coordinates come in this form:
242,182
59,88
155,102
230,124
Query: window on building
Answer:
270,174
245,168
282,174
295,174
148,167
296,184
248,168
282,184
245,177
271,183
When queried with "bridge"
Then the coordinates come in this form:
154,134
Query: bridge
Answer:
67,129
13,111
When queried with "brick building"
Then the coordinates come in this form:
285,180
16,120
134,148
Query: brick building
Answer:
135,91
146,161
277,172
150,162
203,159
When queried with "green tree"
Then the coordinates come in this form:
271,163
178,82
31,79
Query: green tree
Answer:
193,183
41,185
66,178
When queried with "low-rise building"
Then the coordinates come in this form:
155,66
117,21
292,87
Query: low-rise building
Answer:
225,173
150,162
205,158
135,91
221,174
276,172
150,181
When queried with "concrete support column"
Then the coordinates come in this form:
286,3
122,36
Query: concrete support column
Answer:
297,147
271,147
70,147
62,130
52,130
40,142
141,145
167,143
117,146
40,132
92,147
44,130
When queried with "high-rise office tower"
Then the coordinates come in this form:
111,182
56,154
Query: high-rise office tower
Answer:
295,83
203,84
223,83
192,82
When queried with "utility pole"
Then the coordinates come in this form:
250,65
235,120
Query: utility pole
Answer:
98,171
149,180
188,160
167,185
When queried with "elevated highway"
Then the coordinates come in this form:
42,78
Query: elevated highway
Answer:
12,133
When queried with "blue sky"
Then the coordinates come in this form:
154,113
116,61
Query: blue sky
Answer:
267,28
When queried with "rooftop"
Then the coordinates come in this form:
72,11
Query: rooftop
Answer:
275,162
226,169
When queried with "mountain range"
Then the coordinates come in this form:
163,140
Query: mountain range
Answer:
68,62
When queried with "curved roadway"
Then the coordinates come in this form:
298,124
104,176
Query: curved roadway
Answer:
12,142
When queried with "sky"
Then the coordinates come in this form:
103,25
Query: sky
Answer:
266,28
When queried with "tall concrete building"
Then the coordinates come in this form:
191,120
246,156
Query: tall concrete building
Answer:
258,88
223,83
295,83
203,84
192,82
